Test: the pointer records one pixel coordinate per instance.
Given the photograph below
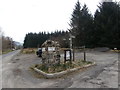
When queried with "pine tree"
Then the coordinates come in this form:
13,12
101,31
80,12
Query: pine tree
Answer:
107,22
81,23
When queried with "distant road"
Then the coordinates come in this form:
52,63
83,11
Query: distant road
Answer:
10,53
4,69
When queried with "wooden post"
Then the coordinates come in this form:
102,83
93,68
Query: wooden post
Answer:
84,54
70,56
64,56
73,55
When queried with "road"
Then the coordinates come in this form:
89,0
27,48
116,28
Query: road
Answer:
16,73
6,67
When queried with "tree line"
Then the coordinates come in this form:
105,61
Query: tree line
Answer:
98,30
33,40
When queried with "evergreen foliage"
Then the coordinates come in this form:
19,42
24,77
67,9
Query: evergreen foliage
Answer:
34,40
81,25
107,24
100,30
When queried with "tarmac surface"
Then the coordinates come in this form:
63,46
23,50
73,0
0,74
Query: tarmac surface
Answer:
16,73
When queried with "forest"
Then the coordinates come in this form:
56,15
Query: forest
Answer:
99,30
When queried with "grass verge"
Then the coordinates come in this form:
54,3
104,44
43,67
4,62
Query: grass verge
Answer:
6,51
61,67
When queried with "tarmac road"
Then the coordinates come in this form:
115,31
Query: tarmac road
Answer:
6,67
15,73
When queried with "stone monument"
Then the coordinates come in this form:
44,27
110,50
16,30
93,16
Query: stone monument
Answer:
50,53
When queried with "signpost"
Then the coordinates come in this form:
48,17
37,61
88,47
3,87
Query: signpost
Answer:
67,56
71,45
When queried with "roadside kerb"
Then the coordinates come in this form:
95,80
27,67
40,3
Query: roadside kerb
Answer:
59,74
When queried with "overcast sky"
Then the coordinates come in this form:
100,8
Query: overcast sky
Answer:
18,17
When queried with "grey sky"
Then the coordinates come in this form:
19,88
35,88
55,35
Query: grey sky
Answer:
18,17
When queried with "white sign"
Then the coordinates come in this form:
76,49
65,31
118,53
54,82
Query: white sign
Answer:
51,48
43,49
67,54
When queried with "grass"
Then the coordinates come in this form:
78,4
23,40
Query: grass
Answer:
28,50
61,67
115,51
6,51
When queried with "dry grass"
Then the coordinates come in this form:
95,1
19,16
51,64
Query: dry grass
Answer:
115,51
61,67
62,49
6,51
28,50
